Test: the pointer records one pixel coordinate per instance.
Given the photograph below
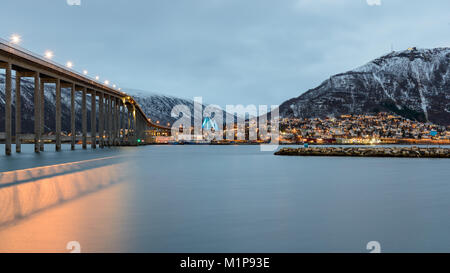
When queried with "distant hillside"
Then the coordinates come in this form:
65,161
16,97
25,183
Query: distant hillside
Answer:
412,83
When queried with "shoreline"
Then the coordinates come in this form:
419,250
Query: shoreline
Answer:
401,152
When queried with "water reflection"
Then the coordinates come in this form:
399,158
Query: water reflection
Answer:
223,199
25,192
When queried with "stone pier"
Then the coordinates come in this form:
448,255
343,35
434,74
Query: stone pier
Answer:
405,152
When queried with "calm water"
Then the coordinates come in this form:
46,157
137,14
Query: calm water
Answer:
220,199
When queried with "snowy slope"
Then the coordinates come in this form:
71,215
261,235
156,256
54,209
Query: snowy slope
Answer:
412,83
158,106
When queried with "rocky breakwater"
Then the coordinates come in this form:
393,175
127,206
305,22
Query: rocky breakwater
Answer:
409,152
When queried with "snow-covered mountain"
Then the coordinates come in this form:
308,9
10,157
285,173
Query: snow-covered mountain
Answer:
158,106
27,105
414,83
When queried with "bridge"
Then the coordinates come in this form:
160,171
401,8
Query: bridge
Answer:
116,118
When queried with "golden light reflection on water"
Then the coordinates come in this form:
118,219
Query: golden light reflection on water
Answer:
44,208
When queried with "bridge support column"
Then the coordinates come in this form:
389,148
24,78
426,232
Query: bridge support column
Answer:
129,136
113,121
139,134
37,113
84,118
72,118
106,120
18,113
117,123
120,122
8,91
137,128
42,114
138,123
134,126
110,119
124,125
58,115
93,120
101,121
130,125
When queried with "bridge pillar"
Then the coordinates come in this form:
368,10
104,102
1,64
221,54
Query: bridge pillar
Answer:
8,91
37,113
18,113
120,122
105,120
101,122
110,121
113,120
58,115
117,123
93,120
42,114
129,134
84,118
137,127
141,127
134,126
72,118
124,125
130,127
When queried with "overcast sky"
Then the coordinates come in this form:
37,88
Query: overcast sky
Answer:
228,51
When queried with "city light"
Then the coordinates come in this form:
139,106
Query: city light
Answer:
97,78
106,82
85,72
48,54
114,86
69,64
15,39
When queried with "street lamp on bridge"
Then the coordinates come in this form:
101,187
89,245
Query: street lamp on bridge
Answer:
15,39
48,54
